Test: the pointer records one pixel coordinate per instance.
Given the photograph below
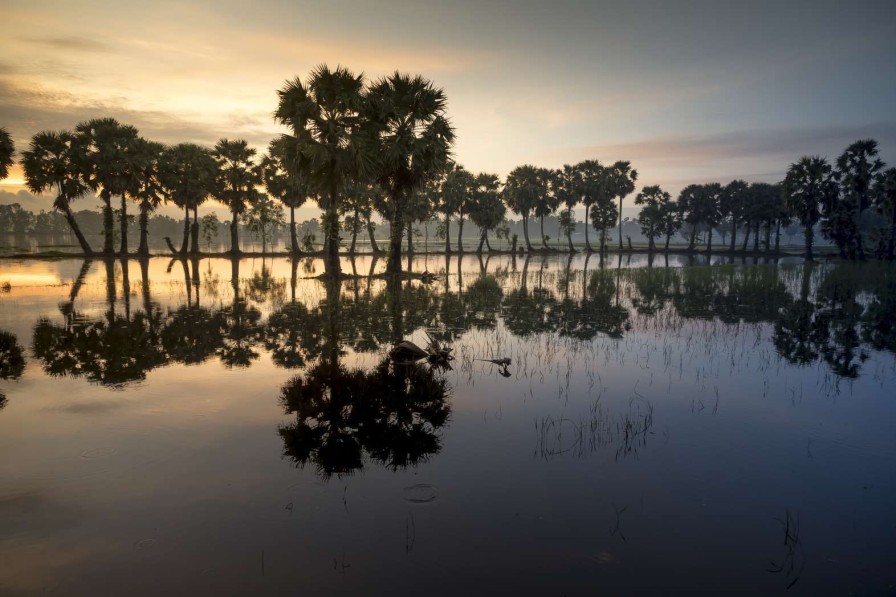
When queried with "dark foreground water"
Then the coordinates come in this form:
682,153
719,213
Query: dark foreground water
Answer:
221,427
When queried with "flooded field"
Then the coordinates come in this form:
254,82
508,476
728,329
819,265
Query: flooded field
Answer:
238,427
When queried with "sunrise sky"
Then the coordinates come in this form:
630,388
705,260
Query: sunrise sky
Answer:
688,91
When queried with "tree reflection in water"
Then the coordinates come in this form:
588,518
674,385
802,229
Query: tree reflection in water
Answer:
12,360
830,313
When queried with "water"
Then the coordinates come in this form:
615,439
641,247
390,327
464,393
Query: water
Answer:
218,427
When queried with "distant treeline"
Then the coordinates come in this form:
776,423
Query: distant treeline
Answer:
358,147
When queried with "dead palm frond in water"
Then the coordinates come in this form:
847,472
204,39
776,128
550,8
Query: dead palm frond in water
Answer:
407,352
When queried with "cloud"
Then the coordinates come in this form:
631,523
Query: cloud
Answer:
70,43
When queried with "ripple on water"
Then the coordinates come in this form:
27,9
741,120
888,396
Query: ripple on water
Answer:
91,453
422,493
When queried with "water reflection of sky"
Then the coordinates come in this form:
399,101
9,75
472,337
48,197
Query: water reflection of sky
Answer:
656,420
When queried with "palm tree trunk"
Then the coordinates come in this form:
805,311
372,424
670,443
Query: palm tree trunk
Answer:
460,233
185,244
526,232
569,231
481,242
123,224
235,233
293,240
487,244
756,238
331,251
620,223
143,249
778,236
76,230
587,225
108,224
396,232
544,243
374,247
733,236
447,233
746,237
410,239
709,241
356,223
194,232
651,247
809,233
668,240
693,240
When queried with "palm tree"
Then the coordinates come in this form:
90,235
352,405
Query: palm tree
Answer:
7,150
809,184
593,180
147,185
329,141
603,216
286,183
51,161
188,176
107,148
856,169
885,200
413,143
713,216
457,195
732,205
521,195
691,203
654,199
488,210
237,178
568,190
547,201
622,178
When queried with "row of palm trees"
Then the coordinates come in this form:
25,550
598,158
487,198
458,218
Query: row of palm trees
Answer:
837,196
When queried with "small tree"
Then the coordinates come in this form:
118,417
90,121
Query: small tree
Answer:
263,217
210,225
654,199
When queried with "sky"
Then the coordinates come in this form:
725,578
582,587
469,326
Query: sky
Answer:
688,91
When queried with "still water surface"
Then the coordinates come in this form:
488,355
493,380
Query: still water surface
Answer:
235,427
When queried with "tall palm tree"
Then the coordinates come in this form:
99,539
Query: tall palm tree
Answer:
488,210
569,192
413,140
654,199
329,141
147,185
51,161
856,169
237,178
521,195
7,150
108,169
286,183
809,184
732,205
457,195
622,178
885,200
188,176
593,180
547,201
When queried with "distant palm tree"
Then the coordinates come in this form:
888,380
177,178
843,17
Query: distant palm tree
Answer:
51,161
457,195
147,185
488,210
237,178
547,201
654,199
885,200
809,184
593,180
521,194
108,169
732,206
327,141
286,183
7,150
188,176
412,143
856,169
569,192
622,178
